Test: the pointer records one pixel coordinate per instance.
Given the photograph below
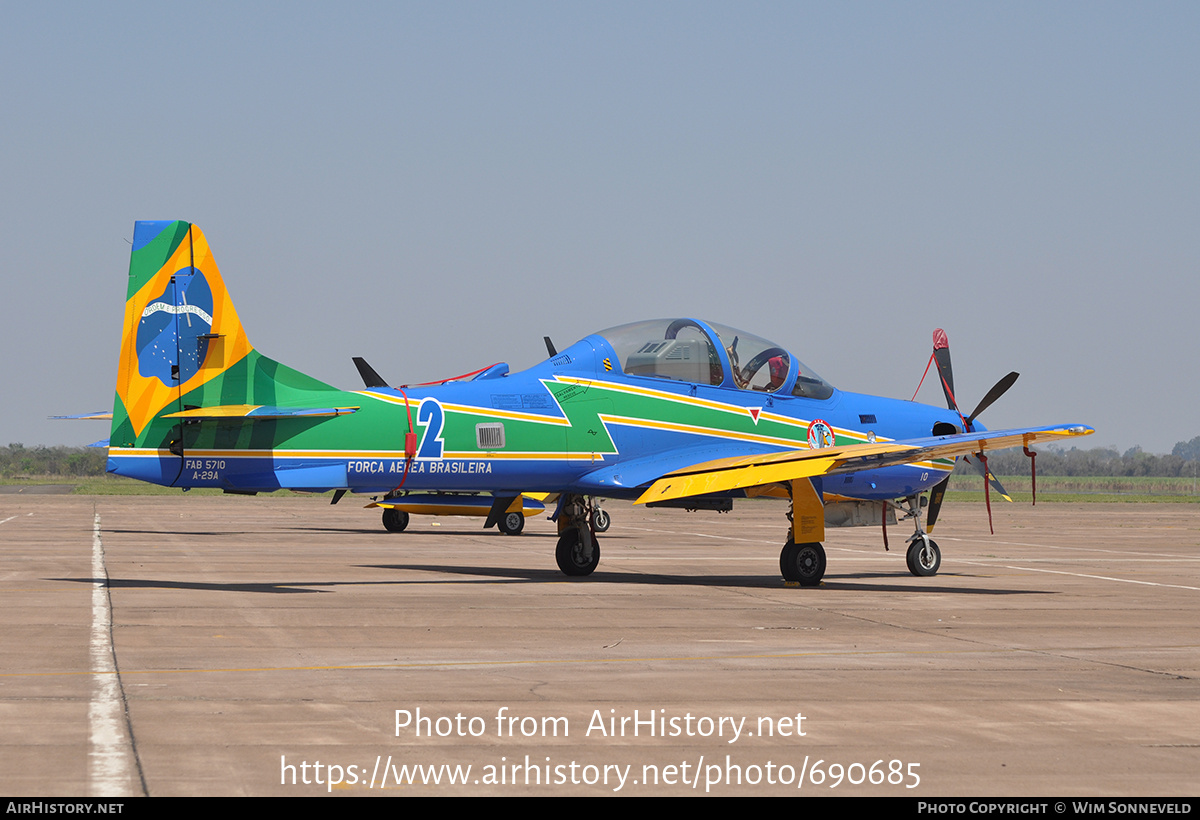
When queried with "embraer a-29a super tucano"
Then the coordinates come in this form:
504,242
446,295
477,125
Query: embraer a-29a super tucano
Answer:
677,412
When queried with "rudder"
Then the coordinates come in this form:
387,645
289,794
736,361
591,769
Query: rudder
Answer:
181,329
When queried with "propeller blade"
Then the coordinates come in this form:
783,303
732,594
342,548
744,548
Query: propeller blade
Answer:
998,390
991,479
936,496
941,354
369,376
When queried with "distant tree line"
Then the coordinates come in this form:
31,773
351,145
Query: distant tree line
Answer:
18,461
1183,462
1189,450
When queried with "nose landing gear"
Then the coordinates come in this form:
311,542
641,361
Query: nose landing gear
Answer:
924,557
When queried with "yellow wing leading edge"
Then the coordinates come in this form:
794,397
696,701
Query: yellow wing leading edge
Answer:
744,472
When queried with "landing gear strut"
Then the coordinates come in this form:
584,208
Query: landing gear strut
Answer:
577,552
802,560
924,557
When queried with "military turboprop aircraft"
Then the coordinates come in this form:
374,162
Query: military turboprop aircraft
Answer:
680,412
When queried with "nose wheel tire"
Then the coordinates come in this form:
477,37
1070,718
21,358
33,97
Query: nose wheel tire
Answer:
574,556
601,521
802,563
924,557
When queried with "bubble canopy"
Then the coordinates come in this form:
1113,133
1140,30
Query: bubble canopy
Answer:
692,350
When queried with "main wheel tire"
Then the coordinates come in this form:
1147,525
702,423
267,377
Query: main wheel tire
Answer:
802,563
395,520
601,521
511,523
570,554
924,558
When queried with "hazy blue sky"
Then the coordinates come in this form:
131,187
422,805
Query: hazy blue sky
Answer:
435,186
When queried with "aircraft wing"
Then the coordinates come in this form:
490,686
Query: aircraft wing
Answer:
742,472
636,472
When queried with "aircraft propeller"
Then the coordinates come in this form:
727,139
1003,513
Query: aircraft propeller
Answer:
941,355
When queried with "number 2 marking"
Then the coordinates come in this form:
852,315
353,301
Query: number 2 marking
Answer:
431,414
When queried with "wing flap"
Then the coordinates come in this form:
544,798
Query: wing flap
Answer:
743,472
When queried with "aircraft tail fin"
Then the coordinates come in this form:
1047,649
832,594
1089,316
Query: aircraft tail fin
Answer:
182,344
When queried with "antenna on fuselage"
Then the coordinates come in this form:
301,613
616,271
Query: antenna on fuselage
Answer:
369,376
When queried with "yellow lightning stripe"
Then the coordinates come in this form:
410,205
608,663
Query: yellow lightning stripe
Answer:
657,394
472,410
516,415
733,409
527,456
697,430
472,455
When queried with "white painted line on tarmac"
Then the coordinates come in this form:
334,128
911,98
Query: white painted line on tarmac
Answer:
1124,554
1097,577
692,534
111,763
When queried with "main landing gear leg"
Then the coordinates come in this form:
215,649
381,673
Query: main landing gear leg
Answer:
577,552
802,560
924,557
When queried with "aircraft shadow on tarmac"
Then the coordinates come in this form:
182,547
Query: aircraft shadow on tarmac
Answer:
847,582
859,582
197,533
146,583
440,531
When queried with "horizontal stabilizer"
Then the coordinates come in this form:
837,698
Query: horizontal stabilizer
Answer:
257,412
100,415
